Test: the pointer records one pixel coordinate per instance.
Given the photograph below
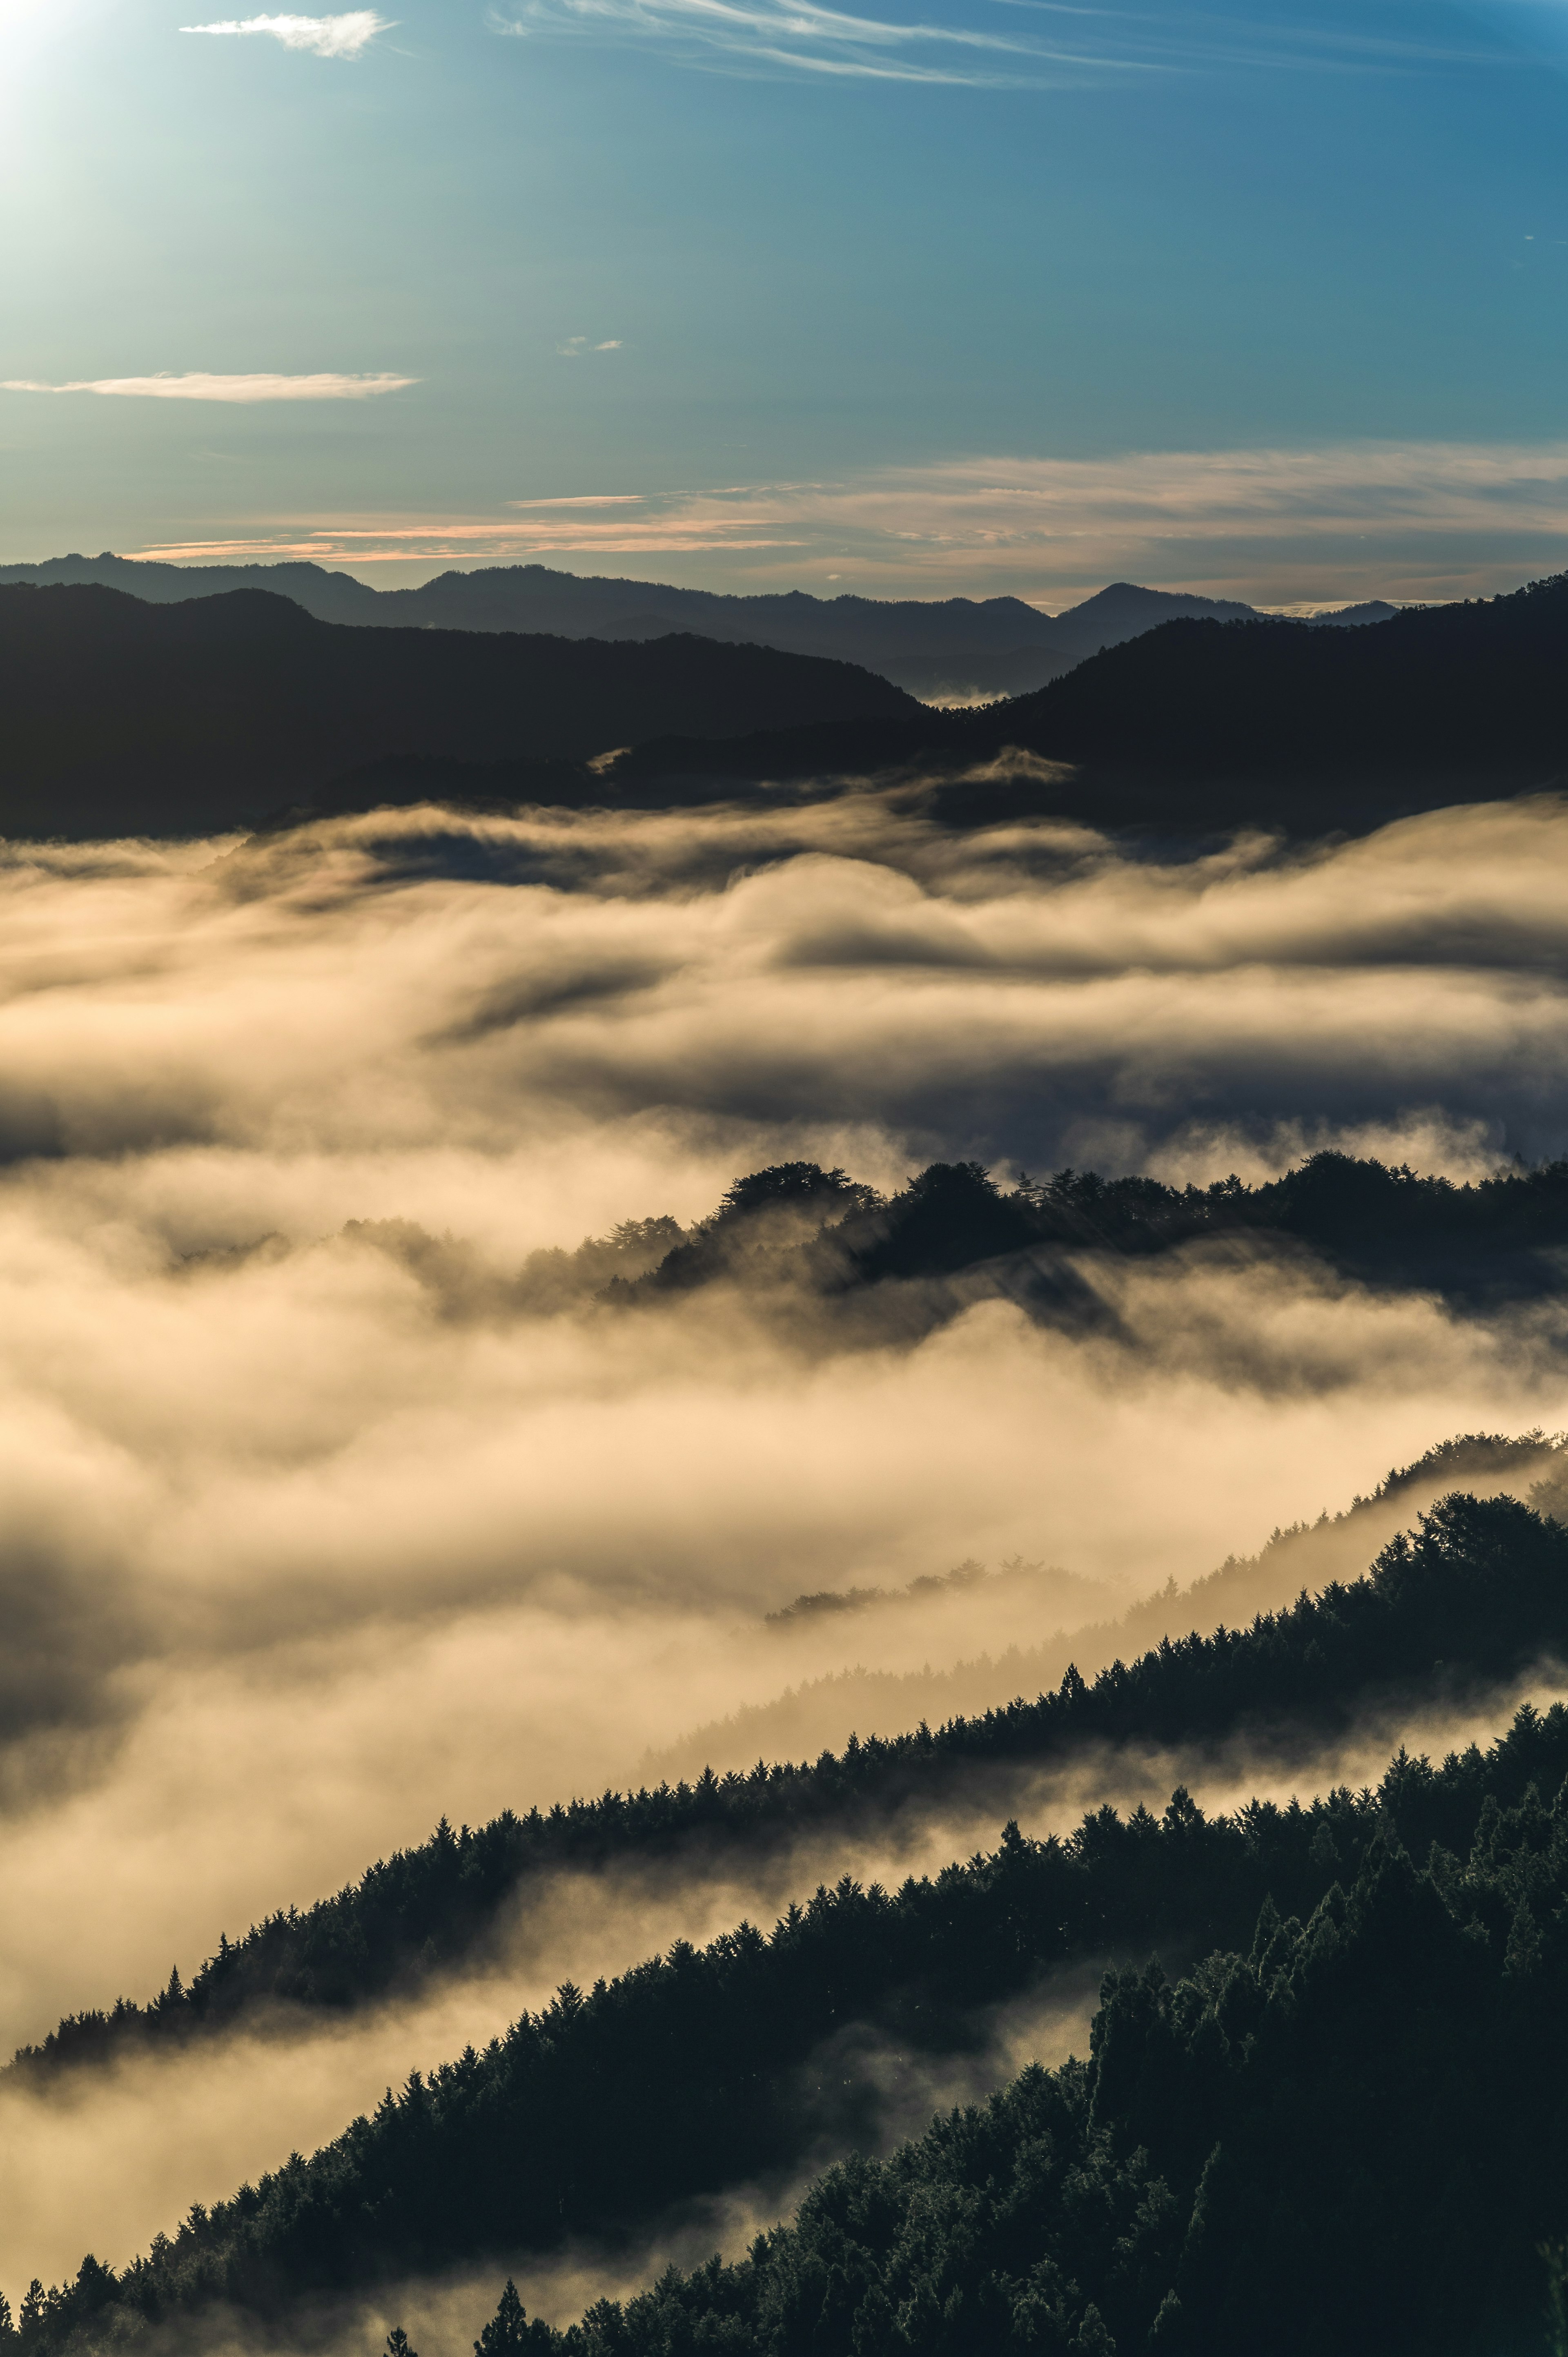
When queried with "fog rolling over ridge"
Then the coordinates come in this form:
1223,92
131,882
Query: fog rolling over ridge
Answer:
784,1181
331,1509
109,2156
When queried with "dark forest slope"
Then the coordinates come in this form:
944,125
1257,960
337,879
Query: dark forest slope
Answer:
1500,1236
816,1712
1476,686
1344,2130
538,597
124,717
939,646
1206,725
194,715
1479,1596
1355,2127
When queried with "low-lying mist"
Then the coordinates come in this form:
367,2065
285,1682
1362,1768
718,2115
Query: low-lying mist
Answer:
306,1542
857,2091
103,2157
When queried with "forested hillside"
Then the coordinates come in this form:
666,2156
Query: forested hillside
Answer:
1469,686
799,1226
1476,1598
1382,2024
128,718
816,1711
1348,2131
1207,725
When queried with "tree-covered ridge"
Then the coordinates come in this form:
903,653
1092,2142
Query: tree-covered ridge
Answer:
187,720
694,2070
795,1232
1530,1460
1472,688
1308,1555
1352,2136
1209,727
1476,1597
953,1216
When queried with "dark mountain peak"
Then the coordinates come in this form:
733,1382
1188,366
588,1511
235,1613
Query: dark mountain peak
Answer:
1354,618
1467,692
1202,724
332,597
1124,610
95,612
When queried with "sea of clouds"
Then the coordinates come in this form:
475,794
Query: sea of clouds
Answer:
311,1531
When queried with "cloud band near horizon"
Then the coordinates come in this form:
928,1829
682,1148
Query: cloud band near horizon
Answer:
199,386
1410,519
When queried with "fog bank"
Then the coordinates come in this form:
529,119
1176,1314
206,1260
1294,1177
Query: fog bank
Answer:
311,1531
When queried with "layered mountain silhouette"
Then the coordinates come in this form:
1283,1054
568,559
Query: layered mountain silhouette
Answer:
126,715
1476,686
207,712
1207,724
953,649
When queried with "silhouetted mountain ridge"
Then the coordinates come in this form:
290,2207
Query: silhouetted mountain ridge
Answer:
1476,685
995,646
125,717
1203,725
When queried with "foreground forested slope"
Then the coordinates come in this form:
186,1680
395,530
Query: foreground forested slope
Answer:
1366,2055
1348,2132
1476,1597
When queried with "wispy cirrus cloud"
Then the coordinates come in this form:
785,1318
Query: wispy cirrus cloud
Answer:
199,386
346,36
1404,519
585,499
576,348
803,37
1035,44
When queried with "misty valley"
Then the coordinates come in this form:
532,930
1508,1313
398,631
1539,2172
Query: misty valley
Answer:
785,1472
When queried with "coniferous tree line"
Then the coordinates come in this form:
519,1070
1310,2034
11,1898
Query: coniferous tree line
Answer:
1349,2133
1357,2096
795,1226
1477,1596
1387,1222
1305,1554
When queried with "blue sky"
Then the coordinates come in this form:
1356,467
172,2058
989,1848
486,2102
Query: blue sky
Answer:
949,295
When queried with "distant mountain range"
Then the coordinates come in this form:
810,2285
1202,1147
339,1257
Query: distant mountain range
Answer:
122,716
945,650
1211,724
125,714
